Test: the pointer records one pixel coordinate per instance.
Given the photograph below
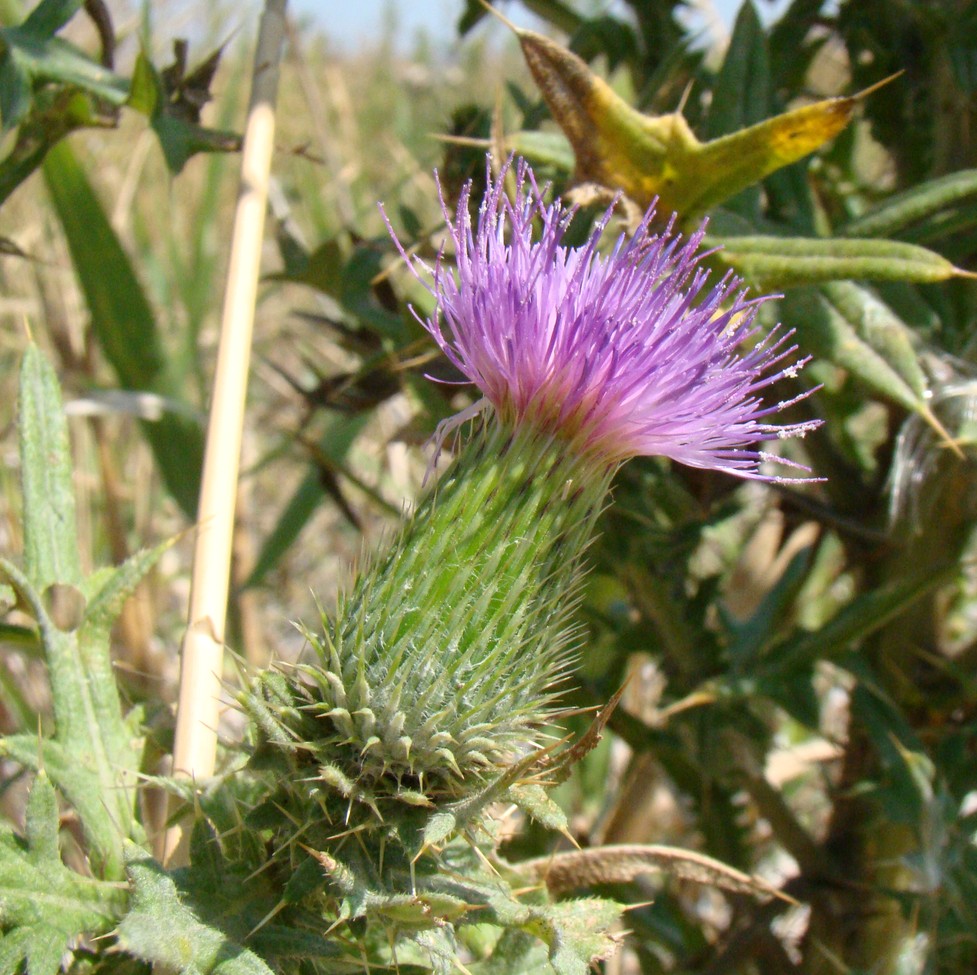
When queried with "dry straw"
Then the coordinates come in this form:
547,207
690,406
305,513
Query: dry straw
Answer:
198,708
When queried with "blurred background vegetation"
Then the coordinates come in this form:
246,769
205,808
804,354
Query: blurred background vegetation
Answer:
801,660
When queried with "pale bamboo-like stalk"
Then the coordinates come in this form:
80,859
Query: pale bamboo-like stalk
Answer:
202,653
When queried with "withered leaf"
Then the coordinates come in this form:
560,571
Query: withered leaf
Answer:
650,156
571,870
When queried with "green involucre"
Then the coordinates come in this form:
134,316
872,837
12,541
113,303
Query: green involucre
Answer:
445,657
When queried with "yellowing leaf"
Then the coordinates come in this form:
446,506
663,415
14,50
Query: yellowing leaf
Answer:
650,156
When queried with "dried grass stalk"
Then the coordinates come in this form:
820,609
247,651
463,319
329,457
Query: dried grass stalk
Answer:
198,708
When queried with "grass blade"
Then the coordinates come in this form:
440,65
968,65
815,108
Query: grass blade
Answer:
122,320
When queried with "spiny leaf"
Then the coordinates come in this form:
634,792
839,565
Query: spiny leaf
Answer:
659,156
93,756
162,930
50,533
576,933
533,800
769,263
902,210
44,906
116,585
93,749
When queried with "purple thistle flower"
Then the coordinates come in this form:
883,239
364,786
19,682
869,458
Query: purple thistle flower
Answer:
621,354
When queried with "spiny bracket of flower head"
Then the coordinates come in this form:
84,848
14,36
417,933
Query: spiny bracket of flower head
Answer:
618,354
443,661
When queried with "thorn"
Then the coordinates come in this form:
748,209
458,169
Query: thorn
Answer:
501,16
266,919
470,141
949,442
566,834
865,92
485,860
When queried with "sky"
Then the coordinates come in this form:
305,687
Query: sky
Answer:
354,22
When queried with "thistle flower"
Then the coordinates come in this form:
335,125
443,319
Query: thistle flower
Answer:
621,355
438,668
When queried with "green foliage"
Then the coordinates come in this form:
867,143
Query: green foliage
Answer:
424,697
45,906
94,754
34,56
124,323
410,885
48,88
161,929
174,112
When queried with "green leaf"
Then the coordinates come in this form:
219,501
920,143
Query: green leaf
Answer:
180,137
779,262
94,757
902,210
92,749
824,332
162,930
902,788
114,586
49,16
750,639
358,297
123,321
50,533
121,315
533,800
850,625
550,149
15,92
44,906
32,56
576,932
515,953
876,323
438,828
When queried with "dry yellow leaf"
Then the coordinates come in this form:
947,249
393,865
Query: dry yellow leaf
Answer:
650,156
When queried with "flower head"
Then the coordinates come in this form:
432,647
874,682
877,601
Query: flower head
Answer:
622,354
